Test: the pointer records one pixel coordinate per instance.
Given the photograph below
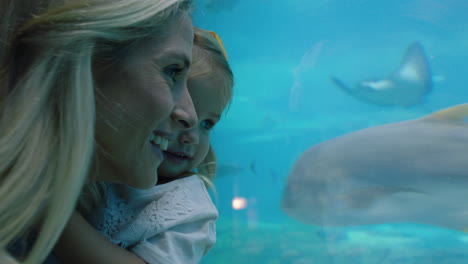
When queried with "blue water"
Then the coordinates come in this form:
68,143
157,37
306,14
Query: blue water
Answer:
261,136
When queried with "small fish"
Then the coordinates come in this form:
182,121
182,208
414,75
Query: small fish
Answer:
413,171
405,87
253,167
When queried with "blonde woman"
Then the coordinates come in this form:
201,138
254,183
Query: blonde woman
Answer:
174,221
88,90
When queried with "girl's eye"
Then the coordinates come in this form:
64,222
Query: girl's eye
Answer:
174,72
207,124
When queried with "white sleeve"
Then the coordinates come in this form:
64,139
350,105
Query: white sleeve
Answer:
182,236
182,244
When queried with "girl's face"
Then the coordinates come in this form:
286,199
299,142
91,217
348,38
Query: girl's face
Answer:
191,146
135,105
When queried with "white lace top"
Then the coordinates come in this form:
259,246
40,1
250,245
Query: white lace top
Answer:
169,223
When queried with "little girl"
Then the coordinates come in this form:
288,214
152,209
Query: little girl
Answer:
173,222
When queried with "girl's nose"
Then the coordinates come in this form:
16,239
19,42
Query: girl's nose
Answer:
189,137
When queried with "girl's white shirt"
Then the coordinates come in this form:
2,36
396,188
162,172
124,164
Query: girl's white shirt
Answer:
169,223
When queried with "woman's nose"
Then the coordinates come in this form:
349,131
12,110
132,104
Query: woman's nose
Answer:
184,114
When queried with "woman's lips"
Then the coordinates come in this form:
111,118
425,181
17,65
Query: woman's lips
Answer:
157,151
160,141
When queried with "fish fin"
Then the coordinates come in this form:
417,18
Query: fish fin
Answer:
357,91
454,113
343,86
415,67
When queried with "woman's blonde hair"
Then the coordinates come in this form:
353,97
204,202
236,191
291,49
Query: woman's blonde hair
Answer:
210,58
47,103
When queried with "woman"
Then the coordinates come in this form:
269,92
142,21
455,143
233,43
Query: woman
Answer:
88,91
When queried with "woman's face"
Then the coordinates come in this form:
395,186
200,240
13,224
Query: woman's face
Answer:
140,102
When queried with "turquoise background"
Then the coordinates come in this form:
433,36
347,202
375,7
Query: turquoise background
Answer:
261,136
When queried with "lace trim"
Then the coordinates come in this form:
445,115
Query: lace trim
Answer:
170,207
117,214
125,226
159,215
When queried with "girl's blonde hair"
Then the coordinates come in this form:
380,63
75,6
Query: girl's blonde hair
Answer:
209,58
47,103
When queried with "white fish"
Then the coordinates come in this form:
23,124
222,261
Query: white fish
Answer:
412,171
405,87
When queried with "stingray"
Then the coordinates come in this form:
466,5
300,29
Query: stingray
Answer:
413,171
407,86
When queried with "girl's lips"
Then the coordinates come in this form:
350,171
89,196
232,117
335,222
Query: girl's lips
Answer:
177,157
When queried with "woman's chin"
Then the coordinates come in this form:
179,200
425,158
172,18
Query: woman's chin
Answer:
144,182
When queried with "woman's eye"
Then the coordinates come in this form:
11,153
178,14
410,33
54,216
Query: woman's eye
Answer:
174,72
207,124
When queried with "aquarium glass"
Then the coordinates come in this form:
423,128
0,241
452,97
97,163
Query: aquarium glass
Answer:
312,74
